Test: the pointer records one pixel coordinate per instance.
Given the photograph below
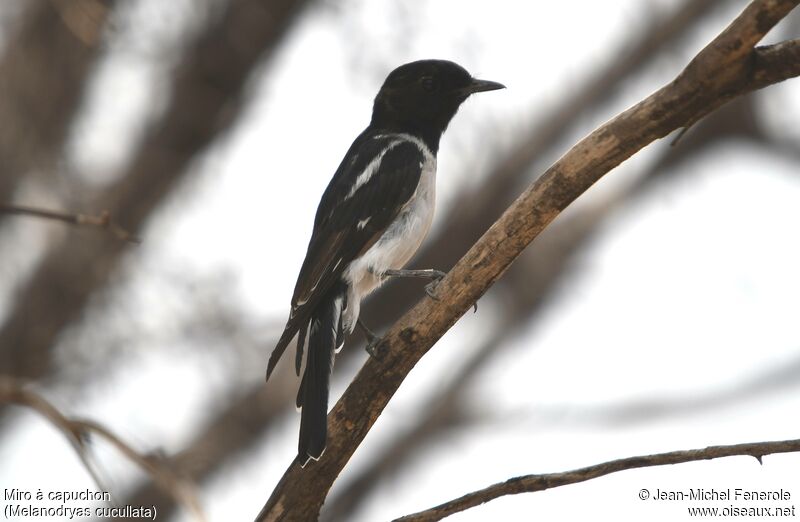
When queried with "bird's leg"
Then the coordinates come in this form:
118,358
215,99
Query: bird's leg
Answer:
430,273
372,339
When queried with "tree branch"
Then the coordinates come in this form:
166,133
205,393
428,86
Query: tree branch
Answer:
728,67
530,483
776,63
77,431
529,284
539,275
102,220
248,420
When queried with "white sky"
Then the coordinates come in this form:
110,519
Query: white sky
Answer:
687,295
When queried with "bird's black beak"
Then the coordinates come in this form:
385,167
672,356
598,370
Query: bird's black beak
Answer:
481,86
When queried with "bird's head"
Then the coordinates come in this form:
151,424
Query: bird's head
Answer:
425,95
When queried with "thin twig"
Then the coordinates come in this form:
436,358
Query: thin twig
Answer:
530,483
77,431
103,220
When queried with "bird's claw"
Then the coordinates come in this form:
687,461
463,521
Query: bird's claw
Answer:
372,348
430,288
373,341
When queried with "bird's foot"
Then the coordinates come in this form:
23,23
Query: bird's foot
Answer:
430,273
430,289
372,348
372,340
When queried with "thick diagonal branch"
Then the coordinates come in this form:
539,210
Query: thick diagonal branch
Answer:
246,421
536,275
728,67
465,223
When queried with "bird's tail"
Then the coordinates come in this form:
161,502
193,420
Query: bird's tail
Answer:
325,337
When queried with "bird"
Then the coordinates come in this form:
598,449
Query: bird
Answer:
371,219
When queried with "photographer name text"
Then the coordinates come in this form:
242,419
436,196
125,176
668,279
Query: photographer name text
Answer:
729,494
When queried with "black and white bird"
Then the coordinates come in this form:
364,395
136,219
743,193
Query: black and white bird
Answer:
370,221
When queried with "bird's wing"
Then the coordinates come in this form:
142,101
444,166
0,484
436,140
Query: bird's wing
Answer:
375,180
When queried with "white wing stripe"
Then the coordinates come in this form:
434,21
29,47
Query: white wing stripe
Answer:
371,169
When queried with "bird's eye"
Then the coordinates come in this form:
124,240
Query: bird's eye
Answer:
429,84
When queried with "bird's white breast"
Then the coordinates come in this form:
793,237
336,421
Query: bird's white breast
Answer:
399,242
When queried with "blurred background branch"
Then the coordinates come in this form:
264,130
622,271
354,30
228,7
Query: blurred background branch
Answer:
79,433
103,220
43,72
206,95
